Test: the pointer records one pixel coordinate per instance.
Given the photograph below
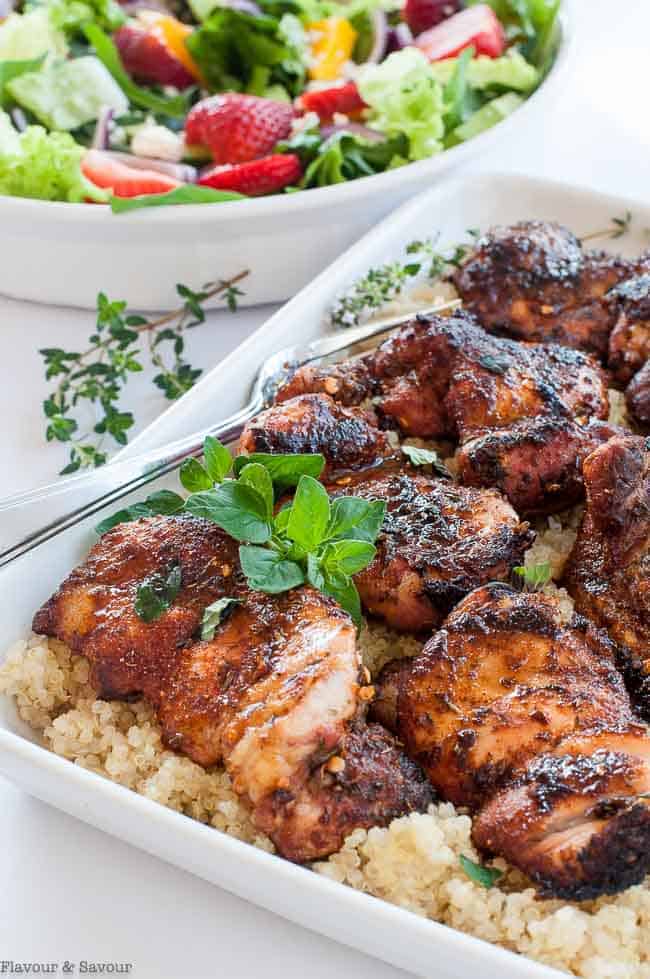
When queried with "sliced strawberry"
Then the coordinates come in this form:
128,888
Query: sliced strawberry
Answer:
146,57
257,177
237,128
421,15
123,180
325,102
477,26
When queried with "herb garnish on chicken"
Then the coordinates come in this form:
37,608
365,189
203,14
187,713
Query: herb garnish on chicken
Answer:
311,540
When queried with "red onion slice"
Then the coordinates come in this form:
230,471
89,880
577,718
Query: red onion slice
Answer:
179,171
100,136
399,37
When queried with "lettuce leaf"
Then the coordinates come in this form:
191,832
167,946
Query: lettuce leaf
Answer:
31,35
239,52
69,16
405,98
9,138
68,94
342,156
45,166
511,71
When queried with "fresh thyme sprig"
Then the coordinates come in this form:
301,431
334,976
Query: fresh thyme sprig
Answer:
382,284
619,227
98,375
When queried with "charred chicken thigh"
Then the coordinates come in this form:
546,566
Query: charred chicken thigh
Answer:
537,463
277,697
438,542
445,377
629,344
533,281
520,411
608,572
527,721
278,694
637,396
93,611
347,437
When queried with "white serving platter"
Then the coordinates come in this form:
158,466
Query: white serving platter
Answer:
64,254
363,922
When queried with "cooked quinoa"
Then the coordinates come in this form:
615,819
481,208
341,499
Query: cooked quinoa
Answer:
414,862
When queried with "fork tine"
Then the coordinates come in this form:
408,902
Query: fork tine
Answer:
292,358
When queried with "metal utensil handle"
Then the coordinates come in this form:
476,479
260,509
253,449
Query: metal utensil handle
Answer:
120,479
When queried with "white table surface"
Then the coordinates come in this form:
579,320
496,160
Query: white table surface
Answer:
71,892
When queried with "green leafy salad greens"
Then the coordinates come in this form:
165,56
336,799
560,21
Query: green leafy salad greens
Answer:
311,539
61,72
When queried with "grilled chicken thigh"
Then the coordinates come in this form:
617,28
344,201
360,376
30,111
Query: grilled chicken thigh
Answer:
438,542
537,463
520,411
577,819
532,281
527,721
94,609
445,377
637,396
608,572
347,437
278,694
629,344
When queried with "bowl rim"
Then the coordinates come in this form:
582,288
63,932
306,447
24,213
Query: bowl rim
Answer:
280,205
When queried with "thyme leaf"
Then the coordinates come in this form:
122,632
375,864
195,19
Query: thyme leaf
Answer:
423,260
98,376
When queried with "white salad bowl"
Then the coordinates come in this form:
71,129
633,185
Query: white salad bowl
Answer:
65,254
364,922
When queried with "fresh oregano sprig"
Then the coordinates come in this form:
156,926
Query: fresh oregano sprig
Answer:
98,375
312,539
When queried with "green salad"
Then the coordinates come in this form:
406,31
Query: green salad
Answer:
198,101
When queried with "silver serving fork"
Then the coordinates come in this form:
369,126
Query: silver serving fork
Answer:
118,479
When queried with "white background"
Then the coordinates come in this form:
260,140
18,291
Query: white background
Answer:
71,892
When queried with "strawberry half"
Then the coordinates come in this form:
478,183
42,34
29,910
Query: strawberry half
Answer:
123,180
238,128
477,26
147,58
325,102
257,177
